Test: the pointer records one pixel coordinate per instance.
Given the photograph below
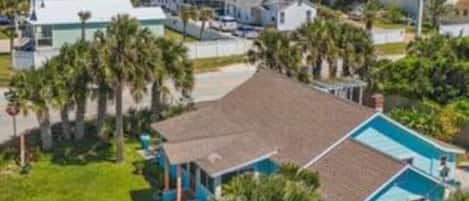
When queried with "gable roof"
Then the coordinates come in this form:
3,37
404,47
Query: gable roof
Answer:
66,11
352,163
294,119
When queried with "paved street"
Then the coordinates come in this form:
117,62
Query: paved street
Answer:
209,86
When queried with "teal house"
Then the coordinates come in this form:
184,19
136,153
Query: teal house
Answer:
52,23
359,153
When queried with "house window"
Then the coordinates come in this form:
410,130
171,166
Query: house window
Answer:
444,169
44,35
308,16
282,18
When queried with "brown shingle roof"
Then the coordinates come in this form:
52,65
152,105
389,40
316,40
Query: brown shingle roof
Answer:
291,117
352,171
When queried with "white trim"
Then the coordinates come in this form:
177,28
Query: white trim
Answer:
414,133
379,189
220,173
395,176
338,142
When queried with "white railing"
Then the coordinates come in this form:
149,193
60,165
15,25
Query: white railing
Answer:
388,36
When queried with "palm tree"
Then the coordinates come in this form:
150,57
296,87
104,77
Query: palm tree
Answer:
356,50
176,66
273,50
84,17
29,89
318,41
205,14
98,70
124,69
437,9
186,13
61,95
370,12
11,9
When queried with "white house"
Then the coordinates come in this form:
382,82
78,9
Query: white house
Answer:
52,23
285,15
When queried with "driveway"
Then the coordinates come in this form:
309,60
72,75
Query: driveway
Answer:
209,86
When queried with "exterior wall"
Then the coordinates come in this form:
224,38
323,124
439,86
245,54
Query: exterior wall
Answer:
69,33
455,30
410,186
396,142
295,16
242,15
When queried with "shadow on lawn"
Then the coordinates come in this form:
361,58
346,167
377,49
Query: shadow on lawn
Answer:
142,195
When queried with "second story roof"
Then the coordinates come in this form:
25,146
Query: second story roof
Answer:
66,11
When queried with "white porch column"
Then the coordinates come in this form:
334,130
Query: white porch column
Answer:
217,183
179,184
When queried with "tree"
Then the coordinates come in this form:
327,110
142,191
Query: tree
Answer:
176,66
205,14
370,12
29,90
437,9
61,95
285,186
458,196
12,9
124,69
99,76
318,42
273,50
84,17
186,13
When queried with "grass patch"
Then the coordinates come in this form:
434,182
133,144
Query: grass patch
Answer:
6,71
79,172
391,49
387,25
3,36
176,36
213,64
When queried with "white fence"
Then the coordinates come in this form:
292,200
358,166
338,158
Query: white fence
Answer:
221,48
193,30
456,29
32,59
388,36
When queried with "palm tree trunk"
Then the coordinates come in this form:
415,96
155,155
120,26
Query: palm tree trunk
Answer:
119,133
83,32
44,127
80,118
156,99
102,108
65,122
202,29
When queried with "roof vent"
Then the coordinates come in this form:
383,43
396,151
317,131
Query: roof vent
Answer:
213,157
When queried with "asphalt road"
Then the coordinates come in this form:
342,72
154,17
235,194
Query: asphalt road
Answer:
209,86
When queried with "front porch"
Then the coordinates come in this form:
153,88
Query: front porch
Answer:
190,182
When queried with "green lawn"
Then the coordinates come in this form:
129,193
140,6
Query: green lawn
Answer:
5,69
176,36
73,174
3,36
391,49
213,64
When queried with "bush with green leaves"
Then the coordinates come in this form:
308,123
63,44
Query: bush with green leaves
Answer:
459,196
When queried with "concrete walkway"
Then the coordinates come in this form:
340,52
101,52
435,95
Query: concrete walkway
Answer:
462,175
209,86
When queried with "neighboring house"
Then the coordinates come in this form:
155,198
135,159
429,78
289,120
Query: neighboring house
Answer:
285,15
457,25
52,23
360,154
410,6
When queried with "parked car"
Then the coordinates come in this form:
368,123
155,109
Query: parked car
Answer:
224,23
4,20
246,31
